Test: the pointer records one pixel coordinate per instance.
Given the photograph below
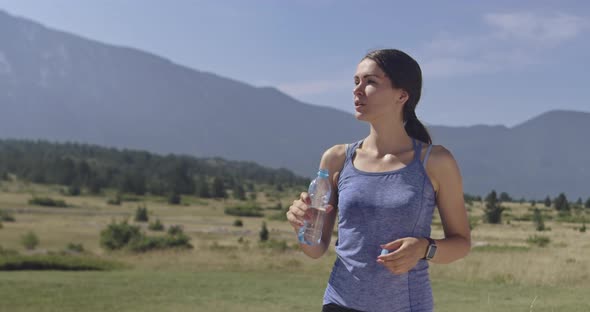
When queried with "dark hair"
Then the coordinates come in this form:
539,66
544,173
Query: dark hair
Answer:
404,73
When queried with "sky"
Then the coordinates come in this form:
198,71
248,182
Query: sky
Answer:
493,62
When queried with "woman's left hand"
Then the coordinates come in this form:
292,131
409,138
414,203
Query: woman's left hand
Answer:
406,254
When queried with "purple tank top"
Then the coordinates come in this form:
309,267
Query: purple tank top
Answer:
375,208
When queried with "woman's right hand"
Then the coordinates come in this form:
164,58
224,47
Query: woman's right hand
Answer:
296,213
298,210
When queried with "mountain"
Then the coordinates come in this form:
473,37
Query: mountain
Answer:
62,87
542,156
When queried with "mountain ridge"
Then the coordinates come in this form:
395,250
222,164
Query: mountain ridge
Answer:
65,87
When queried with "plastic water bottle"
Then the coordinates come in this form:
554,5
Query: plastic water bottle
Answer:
319,192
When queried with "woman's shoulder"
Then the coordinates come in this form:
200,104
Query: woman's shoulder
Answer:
335,152
441,159
334,157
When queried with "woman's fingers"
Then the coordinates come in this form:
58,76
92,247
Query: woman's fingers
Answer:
297,211
397,267
293,220
304,197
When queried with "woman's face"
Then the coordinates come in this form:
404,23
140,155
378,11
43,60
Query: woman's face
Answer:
374,95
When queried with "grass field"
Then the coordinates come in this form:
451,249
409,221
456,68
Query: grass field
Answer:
228,270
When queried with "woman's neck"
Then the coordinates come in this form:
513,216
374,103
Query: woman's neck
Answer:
387,138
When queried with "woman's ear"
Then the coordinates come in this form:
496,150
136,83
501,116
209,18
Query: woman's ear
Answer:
403,96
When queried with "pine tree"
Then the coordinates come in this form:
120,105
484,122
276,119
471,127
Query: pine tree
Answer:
181,180
538,220
504,197
239,192
587,204
203,189
561,203
548,201
218,188
493,210
263,232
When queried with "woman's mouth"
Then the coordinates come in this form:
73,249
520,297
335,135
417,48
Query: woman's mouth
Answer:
358,106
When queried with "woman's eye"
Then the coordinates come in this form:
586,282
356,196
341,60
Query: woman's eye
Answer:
370,81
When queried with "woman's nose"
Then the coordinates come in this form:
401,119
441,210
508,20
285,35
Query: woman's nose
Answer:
357,89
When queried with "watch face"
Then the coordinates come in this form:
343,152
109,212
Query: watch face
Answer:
431,252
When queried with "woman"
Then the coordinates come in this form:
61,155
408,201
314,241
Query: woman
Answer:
385,188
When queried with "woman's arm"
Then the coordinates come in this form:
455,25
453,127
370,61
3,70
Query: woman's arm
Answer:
333,160
446,179
443,169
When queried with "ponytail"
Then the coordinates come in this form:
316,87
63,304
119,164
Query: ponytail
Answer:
417,130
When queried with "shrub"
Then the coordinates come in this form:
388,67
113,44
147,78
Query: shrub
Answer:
6,217
30,240
73,190
583,228
539,240
57,262
117,236
250,210
175,230
141,214
129,198
8,252
569,218
48,202
538,219
174,199
75,247
145,243
123,235
156,226
238,223
116,201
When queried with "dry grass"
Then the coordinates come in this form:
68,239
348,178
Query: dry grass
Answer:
508,260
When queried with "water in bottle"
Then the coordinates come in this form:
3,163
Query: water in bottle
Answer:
319,192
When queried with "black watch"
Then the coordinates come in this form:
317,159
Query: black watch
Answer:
431,250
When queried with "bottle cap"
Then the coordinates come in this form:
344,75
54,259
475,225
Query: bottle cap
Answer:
323,173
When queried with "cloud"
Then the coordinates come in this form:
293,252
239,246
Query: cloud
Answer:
510,41
535,28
